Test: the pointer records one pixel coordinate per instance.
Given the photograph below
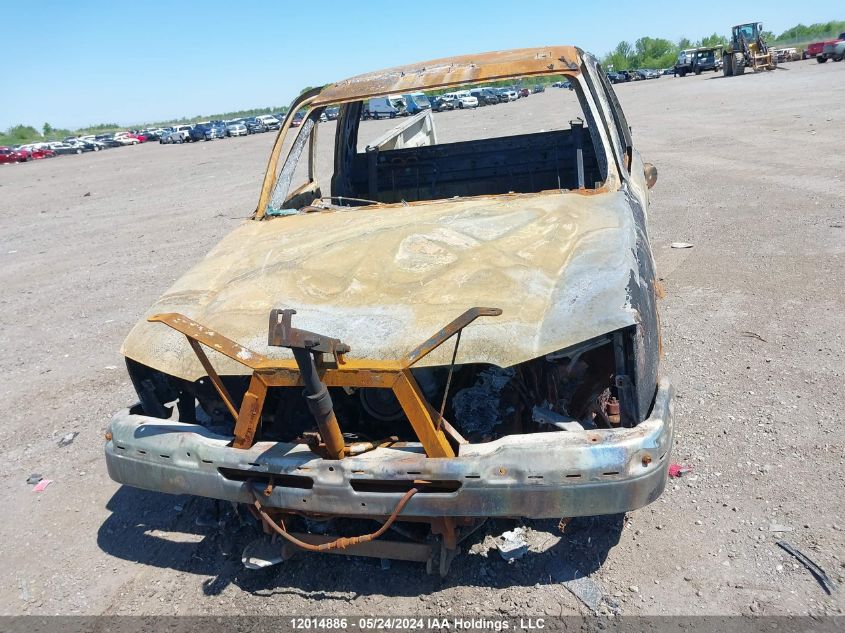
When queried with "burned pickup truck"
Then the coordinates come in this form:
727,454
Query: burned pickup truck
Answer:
421,330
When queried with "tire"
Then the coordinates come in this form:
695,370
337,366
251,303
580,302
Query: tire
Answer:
697,71
134,142
727,65
821,59
460,105
838,59
96,148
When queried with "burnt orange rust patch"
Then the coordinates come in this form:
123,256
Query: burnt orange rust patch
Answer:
454,71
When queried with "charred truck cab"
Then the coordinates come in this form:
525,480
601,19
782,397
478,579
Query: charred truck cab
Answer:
433,334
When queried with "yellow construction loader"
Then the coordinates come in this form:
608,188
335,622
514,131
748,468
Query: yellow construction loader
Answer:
747,49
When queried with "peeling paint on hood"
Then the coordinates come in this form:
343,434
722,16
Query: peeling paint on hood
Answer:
382,279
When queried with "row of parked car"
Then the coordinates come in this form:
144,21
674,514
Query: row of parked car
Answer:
407,104
210,130
639,74
73,145
205,130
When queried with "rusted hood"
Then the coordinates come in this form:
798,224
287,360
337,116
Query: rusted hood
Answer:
384,279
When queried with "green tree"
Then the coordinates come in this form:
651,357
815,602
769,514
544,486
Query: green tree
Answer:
716,40
654,52
620,58
19,134
48,129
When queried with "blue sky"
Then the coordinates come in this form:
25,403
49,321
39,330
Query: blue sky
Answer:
74,63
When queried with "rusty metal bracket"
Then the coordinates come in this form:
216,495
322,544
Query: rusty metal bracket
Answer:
440,337
309,369
282,334
308,349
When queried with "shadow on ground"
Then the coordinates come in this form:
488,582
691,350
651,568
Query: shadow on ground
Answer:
206,538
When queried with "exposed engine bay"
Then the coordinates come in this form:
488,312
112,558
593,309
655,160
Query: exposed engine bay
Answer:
570,390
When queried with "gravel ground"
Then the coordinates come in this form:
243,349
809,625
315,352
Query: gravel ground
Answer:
750,174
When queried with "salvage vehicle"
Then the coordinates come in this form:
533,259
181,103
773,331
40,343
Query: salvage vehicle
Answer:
423,334
236,128
33,152
442,103
414,103
698,60
255,126
269,121
462,99
11,155
384,108
65,148
821,50
485,96
834,49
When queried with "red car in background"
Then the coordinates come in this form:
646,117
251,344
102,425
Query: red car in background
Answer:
37,153
816,49
9,155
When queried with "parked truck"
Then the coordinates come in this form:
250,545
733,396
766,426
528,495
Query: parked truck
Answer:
697,60
825,50
522,251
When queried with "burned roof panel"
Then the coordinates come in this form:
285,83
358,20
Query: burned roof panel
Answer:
451,71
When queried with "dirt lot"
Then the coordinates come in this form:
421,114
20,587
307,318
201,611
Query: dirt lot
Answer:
751,173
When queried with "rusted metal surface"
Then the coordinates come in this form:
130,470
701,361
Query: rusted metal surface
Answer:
283,334
539,475
249,415
301,101
304,345
211,339
454,71
565,267
213,376
394,550
545,260
444,334
308,349
340,543
416,408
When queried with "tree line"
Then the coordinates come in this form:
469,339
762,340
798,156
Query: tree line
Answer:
656,52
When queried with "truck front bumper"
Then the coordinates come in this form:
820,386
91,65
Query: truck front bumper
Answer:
539,475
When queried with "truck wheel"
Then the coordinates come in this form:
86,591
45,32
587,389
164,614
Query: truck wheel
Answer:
683,72
727,65
697,71
821,59
739,65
